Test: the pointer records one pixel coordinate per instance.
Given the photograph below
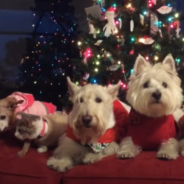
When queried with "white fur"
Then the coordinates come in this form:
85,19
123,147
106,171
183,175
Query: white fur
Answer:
4,124
38,125
42,149
144,82
85,100
141,98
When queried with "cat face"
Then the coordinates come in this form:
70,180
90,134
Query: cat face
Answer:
28,126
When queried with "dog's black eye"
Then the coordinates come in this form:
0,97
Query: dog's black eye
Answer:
20,131
81,100
164,84
98,100
146,85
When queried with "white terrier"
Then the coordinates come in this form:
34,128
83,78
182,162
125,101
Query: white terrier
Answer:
90,135
155,96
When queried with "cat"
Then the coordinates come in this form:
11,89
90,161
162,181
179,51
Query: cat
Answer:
44,131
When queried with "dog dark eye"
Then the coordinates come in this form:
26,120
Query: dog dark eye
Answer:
81,100
164,84
146,85
98,100
20,131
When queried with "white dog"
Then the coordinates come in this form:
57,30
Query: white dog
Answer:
155,95
90,134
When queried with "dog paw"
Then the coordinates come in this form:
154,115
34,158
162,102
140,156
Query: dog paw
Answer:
182,153
42,149
90,158
59,165
125,154
167,156
21,153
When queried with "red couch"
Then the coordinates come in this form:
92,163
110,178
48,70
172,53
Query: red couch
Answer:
32,169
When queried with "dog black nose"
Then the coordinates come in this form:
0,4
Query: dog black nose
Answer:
86,119
157,95
2,117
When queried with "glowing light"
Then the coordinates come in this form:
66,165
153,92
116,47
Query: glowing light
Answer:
119,62
77,82
156,58
98,56
176,15
132,39
142,40
171,26
131,52
79,43
131,71
147,58
96,69
35,82
108,55
170,19
129,5
145,12
97,63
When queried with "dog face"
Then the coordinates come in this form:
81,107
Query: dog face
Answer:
7,111
154,90
92,110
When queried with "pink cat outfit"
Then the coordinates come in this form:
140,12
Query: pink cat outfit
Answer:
30,106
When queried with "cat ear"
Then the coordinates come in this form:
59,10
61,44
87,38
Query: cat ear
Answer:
12,103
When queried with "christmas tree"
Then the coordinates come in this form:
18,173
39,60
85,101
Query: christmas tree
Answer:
46,64
120,30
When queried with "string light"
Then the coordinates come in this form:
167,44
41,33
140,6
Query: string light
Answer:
156,58
79,43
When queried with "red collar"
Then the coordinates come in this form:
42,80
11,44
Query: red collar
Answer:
42,134
108,137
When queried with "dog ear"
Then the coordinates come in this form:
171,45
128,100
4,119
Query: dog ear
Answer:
169,60
72,87
113,90
139,65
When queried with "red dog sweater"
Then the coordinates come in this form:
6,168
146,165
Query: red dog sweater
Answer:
149,132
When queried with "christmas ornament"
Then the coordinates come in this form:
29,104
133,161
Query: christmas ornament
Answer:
120,23
110,27
113,67
98,42
160,31
131,25
178,29
120,40
153,24
146,40
22,61
141,19
86,76
83,82
100,2
95,11
164,10
92,29
87,54
154,2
